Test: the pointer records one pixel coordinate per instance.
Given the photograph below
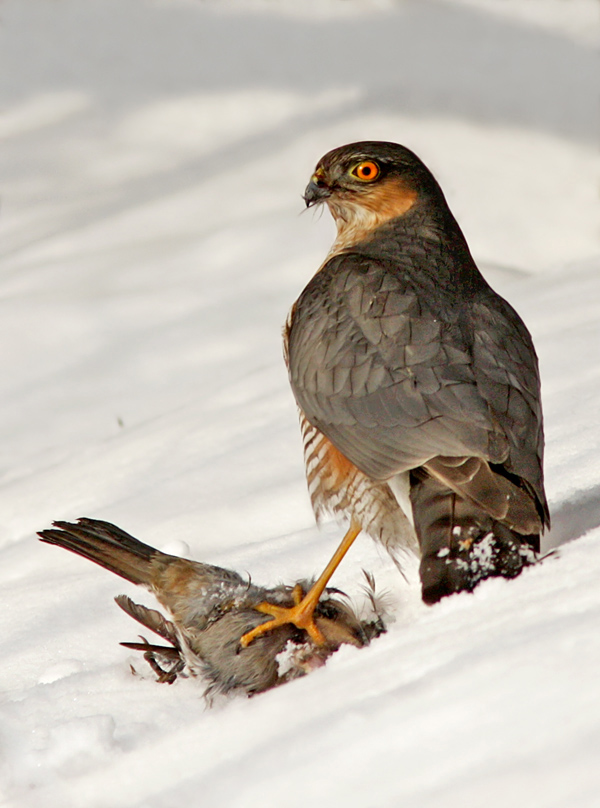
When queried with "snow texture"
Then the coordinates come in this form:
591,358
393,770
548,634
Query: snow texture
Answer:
153,157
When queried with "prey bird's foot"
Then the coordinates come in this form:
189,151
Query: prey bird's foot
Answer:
301,615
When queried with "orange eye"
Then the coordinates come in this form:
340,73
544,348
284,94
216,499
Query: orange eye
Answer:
366,172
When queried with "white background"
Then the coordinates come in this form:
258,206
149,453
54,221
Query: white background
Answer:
152,158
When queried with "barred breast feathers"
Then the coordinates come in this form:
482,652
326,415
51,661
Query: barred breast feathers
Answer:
336,486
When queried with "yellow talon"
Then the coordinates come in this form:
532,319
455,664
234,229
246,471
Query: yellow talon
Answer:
301,614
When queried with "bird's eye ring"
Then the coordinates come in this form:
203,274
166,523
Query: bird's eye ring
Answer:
367,171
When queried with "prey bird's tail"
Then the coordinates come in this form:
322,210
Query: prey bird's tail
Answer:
106,545
461,544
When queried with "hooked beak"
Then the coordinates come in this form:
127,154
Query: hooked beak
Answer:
316,191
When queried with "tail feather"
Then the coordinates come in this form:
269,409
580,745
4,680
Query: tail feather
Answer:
461,544
473,479
106,545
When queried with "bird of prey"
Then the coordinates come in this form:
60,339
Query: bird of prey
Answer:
210,608
417,385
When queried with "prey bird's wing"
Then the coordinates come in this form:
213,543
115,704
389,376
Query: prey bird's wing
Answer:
395,374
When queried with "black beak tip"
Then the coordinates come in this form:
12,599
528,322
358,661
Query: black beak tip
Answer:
315,193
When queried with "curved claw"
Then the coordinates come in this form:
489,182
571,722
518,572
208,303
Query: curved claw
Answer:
300,615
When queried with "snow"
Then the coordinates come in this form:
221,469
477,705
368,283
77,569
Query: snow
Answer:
152,163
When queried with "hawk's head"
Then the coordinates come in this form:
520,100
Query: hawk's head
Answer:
369,183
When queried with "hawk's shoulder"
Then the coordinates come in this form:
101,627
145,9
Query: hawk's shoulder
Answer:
380,372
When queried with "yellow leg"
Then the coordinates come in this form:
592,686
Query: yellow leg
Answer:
301,614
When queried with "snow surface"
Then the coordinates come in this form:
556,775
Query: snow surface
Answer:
153,156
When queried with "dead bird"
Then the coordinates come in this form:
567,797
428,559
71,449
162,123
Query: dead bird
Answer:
211,608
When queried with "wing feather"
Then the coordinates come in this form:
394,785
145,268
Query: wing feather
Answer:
394,377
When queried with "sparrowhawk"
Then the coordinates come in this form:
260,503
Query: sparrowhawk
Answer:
417,385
